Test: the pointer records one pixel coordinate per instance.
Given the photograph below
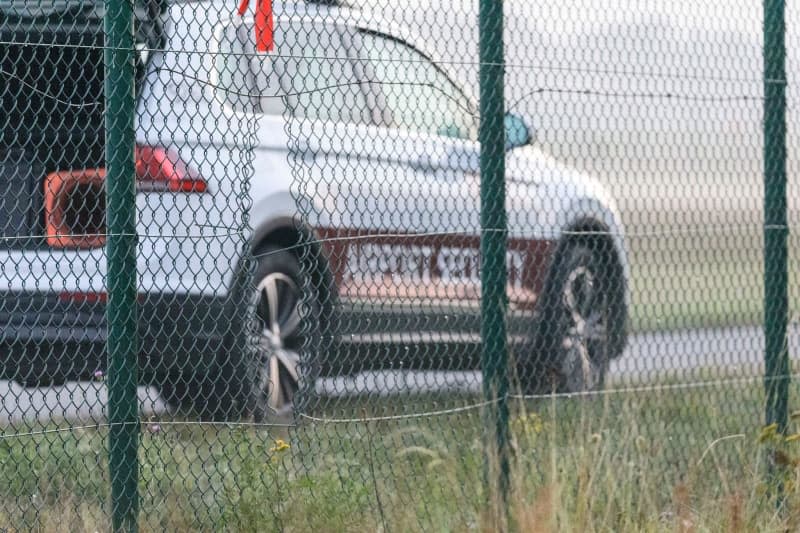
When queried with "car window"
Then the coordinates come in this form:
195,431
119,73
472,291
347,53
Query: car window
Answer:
418,95
310,66
236,82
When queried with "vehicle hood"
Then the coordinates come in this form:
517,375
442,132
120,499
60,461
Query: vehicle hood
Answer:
530,166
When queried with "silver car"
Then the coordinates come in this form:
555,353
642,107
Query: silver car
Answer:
362,215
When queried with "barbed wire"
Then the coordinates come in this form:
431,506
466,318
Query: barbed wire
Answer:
657,387
144,423
555,396
235,92
644,95
440,62
48,95
152,422
533,233
314,90
411,416
231,233
457,100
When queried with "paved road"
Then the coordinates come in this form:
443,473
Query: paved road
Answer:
689,354
79,402
648,356
696,352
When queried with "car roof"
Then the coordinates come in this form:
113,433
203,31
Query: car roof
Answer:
327,13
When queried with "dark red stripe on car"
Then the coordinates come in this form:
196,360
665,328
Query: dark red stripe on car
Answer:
387,264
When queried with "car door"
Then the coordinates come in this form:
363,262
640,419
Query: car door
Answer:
391,190
427,131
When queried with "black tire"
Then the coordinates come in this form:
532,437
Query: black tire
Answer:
581,321
195,392
247,382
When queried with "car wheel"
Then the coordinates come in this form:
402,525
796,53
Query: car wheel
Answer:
580,319
279,329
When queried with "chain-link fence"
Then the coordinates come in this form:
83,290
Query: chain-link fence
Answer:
383,266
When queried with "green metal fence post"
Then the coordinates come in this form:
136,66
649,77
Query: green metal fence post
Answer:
123,408
494,357
776,300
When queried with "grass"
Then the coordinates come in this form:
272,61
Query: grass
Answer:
661,460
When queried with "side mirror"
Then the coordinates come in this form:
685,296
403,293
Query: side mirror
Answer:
517,131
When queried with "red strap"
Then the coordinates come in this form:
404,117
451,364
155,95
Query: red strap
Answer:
265,29
265,25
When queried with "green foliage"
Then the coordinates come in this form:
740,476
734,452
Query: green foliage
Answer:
580,464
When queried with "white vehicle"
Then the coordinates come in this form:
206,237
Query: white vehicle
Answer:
365,186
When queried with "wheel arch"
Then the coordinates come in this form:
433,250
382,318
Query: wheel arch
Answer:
305,244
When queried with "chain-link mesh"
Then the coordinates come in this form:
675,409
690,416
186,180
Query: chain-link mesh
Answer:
191,166
327,337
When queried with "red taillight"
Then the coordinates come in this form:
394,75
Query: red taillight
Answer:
159,169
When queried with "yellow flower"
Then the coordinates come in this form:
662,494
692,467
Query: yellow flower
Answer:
768,432
280,446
